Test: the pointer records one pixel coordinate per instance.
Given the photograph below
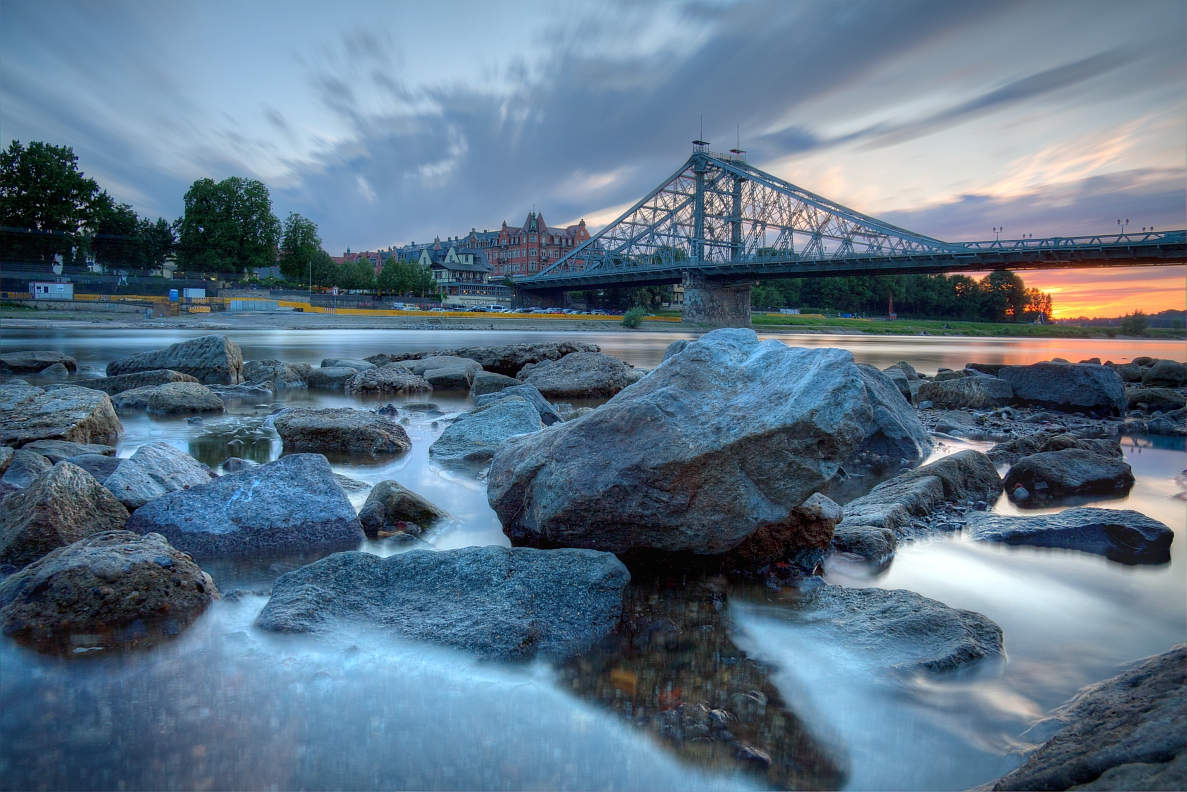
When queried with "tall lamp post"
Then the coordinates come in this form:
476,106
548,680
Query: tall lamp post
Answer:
1123,224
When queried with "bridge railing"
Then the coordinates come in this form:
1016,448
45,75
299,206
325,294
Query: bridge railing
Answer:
1074,243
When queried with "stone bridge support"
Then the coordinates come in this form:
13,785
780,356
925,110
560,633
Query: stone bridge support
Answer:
715,303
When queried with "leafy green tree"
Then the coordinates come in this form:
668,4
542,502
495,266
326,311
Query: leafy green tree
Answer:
42,189
763,296
298,246
1135,324
634,317
325,271
228,226
158,241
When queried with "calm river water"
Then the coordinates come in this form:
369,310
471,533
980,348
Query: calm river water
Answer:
228,707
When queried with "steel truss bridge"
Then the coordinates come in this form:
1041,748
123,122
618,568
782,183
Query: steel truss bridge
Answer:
722,220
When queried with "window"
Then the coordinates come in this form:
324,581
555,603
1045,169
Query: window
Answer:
532,238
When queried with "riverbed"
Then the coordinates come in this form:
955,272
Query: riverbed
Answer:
229,707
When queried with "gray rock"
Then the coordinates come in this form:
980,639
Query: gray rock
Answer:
291,505
908,369
899,629
155,470
279,373
57,370
505,359
141,379
976,391
98,465
390,503
499,603
253,391
62,505
1165,374
1128,372
1151,399
70,413
1067,386
1011,451
170,399
391,378
810,527
58,450
351,363
676,347
112,587
330,378
340,431
548,414
965,476
991,369
486,382
235,464
1072,471
6,454
1118,534
474,438
35,362
899,378
213,359
350,485
581,374
1123,733
25,466
720,440
894,432
444,372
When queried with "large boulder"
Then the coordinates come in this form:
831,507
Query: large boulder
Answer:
1129,372
70,413
497,602
1011,451
966,476
340,431
444,372
172,398
724,438
291,505
1067,386
113,587
1122,733
973,391
141,379
154,470
1165,374
25,466
330,378
1072,471
898,629
1151,399
390,504
894,435
1118,534
505,359
60,450
357,365
279,373
487,382
801,539
35,362
213,359
62,505
581,374
473,438
392,378
100,466
548,414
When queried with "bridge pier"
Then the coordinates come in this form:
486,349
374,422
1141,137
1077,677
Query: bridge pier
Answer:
716,304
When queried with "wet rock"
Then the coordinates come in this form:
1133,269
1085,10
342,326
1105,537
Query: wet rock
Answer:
581,374
331,378
1011,451
25,466
1118,534
991,369
6,455
279,373
62,505
57,370
894,432
810,526
421,407
98,465
1165,374
386,379
724,438
341,431
568,412
170,399
975,392
255,391
109,588
69,413
390,503
474,438
900,629
956,423
505,359
965,476
444,372
291,505
58,450
357,365
548,414
236,464
1129,372
141,379
1151,399
499,603
155,470
35,362
349,485
213,359
1067,386
1072,471
486,382
1123,733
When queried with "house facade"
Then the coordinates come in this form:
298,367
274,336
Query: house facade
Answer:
526,250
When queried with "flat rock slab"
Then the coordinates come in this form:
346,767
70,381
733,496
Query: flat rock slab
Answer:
279,373
505,359
110,588
581,374
392,378
213,359
499,603
1071,471
62,505
141,379
79,415
35,362
330,378
291,505
155,470
1067,386
341,431
172,398
58,450
357,365
473,439
973,391
1122,733
1118,534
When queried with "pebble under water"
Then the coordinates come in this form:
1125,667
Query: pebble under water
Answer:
701,665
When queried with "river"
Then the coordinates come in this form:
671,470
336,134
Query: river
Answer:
228,707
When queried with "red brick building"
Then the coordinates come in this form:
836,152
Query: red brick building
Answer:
514,252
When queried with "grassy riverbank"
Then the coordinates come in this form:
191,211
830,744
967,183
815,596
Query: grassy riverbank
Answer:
775,322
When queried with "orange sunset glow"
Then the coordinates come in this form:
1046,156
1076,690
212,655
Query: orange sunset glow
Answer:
1112,292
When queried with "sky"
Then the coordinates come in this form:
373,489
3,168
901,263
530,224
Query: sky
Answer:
387,123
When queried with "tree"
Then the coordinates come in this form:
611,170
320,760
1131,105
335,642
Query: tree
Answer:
1135,323
158,241
228,226
325,271
763,296
42,189
298,247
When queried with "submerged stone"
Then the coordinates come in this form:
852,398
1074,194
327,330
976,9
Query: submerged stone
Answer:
1118,534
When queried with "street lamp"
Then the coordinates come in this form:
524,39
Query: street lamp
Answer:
997,232
1123,224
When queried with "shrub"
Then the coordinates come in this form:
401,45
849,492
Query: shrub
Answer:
1135,323
633,317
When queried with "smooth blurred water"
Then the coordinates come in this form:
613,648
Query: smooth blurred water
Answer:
226,706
